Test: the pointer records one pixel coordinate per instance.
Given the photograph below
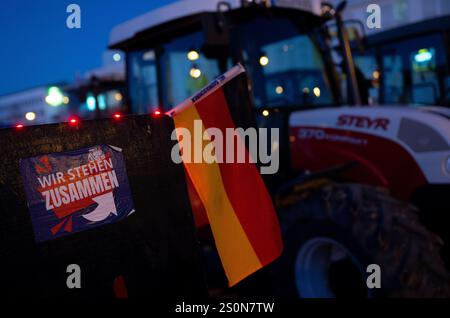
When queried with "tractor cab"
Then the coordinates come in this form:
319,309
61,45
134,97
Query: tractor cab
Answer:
408,64
282,45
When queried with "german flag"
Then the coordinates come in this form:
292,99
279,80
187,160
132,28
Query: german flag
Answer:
239,208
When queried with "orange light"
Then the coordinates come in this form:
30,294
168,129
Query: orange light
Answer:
117,116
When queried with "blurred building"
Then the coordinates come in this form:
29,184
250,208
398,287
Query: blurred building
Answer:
38,105
407,59
396,13
99,93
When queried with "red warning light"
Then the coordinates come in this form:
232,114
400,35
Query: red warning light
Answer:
73,121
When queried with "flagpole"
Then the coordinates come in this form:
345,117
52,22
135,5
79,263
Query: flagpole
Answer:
209,89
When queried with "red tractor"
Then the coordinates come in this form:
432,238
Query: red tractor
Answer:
357,186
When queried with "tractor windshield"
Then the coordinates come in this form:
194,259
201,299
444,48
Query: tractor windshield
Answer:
167,75
283,59
285,65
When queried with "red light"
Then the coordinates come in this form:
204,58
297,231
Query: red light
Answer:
19,126
117,116
73,121
157,113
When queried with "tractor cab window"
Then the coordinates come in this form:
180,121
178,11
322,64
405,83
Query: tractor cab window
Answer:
169,74
142,81
185,69
285,66
415,72
369,70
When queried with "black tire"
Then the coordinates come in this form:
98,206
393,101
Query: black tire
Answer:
375,229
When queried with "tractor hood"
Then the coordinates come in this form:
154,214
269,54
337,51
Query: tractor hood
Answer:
438,111
384,121
423,132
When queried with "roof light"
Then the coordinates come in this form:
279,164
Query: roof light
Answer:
279,90
264,60
193,55
195,72
317,92
30,116
118,97
376,75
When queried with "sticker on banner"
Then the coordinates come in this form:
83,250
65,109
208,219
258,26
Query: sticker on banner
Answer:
75,191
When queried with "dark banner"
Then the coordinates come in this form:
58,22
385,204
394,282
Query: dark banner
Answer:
74,191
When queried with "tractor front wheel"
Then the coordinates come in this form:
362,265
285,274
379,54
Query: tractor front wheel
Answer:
335,233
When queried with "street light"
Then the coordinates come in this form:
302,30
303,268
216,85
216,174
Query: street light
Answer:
54,97
30,116
117,57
